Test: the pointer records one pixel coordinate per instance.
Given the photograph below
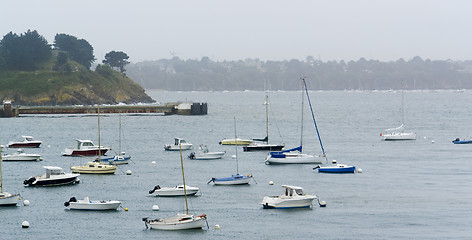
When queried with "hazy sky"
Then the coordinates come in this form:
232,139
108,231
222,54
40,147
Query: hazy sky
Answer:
265,29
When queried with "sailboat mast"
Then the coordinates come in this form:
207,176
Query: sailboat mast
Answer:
301,131
183,177
403,109
313,115
236,147
1,173
119,138
99,145
267,117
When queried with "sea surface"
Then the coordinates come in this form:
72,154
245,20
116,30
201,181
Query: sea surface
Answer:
418,189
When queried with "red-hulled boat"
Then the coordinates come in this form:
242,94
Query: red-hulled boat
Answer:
28,142
85,148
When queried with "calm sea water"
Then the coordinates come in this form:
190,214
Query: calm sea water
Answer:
408,190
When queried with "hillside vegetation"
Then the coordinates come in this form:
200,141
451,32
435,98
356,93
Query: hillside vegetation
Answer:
79,87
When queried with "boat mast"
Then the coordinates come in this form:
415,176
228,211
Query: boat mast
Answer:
119,138
99,150
403,109
1,172
313,115
267,117
183,177
236,147
301,132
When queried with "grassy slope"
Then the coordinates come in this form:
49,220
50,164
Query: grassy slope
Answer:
46,87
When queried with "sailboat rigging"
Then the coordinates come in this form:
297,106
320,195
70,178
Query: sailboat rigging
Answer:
120,157
263,144
235,179
398,133
95,167
296,155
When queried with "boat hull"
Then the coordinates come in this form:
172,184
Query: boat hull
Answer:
297,158
22,157
462,142
116,160
85,170
177,147
177,223
207,156
95,205
283,203
7,199
399,136
348,169
56,181
89,152
239,142
263,147
25,145
233,180
175,192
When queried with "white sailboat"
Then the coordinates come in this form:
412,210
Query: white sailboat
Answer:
263,144
235,179
120,157
296,155
95,167
180,221
6,199
398,133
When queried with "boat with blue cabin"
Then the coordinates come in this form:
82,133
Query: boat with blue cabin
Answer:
459,141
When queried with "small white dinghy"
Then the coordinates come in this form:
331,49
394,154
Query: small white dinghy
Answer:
293,197
87,204
173,191
205,154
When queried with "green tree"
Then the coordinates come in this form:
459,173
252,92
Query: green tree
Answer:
25,51
116,59
78,50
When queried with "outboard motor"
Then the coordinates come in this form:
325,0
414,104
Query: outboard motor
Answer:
191,155
29,181
155,188
72,199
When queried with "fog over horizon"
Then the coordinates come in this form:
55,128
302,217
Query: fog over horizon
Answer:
267,30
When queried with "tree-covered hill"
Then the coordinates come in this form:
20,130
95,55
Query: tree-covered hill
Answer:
33,73
254,74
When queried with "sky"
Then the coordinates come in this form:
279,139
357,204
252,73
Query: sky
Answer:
384,30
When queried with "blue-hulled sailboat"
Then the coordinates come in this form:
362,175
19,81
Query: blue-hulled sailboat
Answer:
120,157
235,179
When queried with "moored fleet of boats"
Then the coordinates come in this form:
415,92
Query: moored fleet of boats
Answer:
292,196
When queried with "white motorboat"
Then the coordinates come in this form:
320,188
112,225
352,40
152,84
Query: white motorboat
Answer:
85,148
178,144
54,177
6,199
205,154
87,204
173,191
181,221
20,155
293,197
28,142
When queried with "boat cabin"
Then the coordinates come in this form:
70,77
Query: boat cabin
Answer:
84,144
53,171
293,191
178,141
27,138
